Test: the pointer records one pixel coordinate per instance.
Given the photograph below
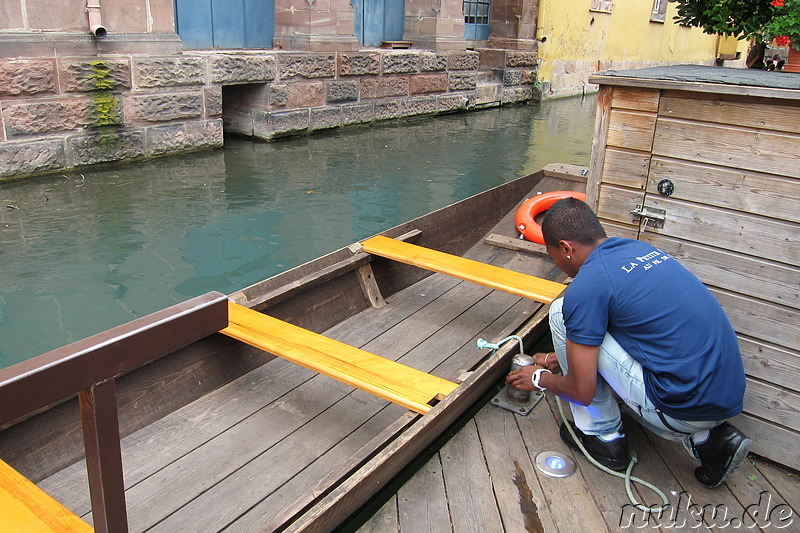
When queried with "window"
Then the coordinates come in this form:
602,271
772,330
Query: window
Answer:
476,11
604,6
659,13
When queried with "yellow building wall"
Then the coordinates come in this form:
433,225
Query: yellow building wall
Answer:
580,41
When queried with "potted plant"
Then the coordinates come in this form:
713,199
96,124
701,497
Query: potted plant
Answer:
764,20
784,27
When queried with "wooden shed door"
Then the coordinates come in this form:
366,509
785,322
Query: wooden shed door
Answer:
378,20
205,24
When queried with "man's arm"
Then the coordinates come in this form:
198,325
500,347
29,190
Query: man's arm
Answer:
578,385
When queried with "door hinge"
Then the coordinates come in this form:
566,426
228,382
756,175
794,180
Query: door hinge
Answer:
649,215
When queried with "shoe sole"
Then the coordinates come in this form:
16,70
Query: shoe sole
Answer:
577,450
736,460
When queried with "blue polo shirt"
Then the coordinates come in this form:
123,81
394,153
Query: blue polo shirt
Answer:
666,319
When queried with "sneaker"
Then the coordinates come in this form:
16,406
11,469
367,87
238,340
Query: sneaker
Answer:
612,454
721,454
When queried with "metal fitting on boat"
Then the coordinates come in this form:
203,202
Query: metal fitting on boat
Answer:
517,400
518,395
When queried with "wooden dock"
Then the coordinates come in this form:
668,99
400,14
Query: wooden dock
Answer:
485,479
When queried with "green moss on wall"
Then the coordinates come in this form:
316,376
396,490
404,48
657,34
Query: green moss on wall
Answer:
101,77
104,109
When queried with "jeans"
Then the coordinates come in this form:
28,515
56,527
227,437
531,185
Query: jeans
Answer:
621,374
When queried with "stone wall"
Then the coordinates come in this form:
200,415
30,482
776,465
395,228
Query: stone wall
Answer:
67,112
61,113
314,91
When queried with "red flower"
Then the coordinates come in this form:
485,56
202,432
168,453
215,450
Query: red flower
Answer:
782,40
778,3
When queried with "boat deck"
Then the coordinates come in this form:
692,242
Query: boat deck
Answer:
485,479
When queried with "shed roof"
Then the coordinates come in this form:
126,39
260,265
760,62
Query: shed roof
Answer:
700,78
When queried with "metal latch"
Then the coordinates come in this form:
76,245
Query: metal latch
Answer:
650,215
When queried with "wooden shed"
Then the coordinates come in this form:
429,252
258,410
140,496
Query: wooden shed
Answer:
704,163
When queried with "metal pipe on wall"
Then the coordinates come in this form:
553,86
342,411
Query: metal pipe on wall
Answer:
96,27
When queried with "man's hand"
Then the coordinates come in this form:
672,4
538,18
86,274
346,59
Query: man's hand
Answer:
547,360
577,386
521,378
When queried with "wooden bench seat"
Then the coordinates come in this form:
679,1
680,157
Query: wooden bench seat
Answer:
25,508
377,375
503,279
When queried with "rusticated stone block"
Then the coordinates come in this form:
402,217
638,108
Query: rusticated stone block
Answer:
428,83
432,61
512,77
270,125
103,146
42,117
358,114
325,117
185,137
213,99
521,59
22,158
305,95
307,65
383,87
289,121
462,81
164,107
449,103
488,94
94,75
517,94
421,106
241,68
21,77
359,64
400,62
528,76
279,96
341,91
462,60
169,71
390,110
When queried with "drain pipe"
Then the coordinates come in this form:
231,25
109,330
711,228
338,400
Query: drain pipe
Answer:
96,27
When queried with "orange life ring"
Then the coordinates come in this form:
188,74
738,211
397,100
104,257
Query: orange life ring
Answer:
526,214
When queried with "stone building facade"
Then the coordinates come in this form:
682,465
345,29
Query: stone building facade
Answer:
69,98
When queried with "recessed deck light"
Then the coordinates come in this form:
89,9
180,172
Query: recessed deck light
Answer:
555,464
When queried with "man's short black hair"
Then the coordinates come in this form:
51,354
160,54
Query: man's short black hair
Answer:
571,220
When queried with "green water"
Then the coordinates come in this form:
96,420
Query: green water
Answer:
80,253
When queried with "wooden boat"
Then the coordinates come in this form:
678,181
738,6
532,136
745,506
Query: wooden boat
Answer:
216,433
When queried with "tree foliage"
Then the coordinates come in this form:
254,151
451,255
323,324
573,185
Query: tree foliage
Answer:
740,18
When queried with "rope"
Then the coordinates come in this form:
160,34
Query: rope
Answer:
629,478
627,475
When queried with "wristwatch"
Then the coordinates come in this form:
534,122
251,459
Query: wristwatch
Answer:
536,376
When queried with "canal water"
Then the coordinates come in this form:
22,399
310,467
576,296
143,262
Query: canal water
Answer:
85,251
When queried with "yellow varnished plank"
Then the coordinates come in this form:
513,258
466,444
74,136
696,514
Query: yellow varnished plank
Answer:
24,507
541,290
382,377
